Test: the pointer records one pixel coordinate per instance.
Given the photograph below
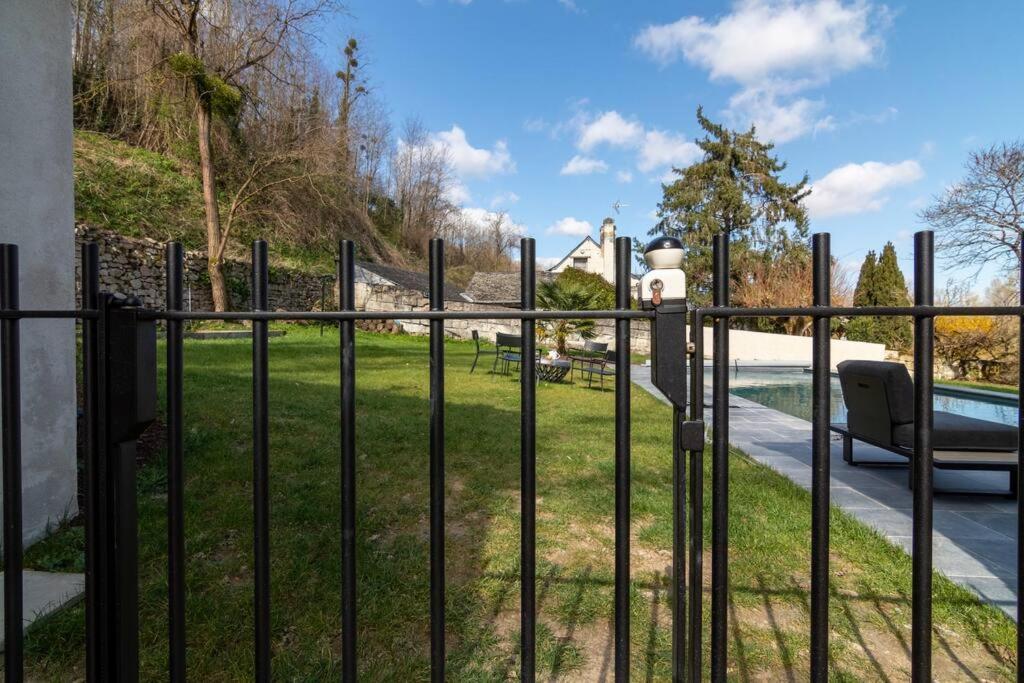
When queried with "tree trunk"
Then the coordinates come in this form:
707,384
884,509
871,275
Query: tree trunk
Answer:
215,265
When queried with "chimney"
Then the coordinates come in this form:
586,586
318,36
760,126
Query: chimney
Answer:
608,249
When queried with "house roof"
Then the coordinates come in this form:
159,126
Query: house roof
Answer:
406,279
499,288
572,251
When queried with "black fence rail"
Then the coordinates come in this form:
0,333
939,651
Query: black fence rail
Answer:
119,386
923,313
119,390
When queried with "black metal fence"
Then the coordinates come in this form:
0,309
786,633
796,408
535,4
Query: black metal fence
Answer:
119,400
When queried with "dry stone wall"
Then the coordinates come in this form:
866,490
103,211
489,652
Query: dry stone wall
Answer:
387,298
130,265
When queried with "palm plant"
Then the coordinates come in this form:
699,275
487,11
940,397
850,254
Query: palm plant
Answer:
559,295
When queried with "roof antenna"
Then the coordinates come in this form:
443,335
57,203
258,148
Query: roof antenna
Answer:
618,205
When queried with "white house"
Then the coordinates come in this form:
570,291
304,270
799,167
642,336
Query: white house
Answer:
591,257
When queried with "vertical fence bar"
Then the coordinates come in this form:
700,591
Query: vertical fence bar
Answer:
820,455
346,263
437,583
1020,470
174,263
696,494
921,465
720,466
91,392
260,465
623,252
679,623
528,464
10,396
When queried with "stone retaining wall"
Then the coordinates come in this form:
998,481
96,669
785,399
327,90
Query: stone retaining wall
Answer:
132,265
387,298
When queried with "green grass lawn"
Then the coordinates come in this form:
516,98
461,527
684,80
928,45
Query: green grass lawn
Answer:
989,386
769,532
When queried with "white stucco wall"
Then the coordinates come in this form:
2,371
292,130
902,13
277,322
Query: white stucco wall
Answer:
37,214
763,346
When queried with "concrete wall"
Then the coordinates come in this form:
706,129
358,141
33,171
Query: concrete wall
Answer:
762,346
37,214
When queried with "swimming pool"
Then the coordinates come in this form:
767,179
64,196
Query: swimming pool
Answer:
788,390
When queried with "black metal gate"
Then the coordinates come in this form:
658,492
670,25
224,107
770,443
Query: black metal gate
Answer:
119,378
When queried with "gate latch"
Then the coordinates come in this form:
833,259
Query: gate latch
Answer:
691,435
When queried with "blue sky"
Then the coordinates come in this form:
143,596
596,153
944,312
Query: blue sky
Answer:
555,109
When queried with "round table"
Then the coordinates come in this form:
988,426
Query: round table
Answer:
553,370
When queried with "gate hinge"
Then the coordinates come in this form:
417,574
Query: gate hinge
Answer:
691,435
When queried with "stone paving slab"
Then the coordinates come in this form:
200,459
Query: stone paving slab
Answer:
974,542
45,593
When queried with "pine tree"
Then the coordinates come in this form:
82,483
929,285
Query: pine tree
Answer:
881,283
736,188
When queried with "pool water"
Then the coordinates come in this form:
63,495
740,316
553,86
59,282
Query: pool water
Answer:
788,390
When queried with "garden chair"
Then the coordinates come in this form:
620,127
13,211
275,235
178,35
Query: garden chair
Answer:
879,398
602,366
591,351
476,340
507,351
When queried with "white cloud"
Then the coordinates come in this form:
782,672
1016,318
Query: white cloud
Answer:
858,188
504,199
482,220
661,148
469,161
583,165
775,49
458,194
536,125
760,39
571,6
609,128
545,262
776,121
655,149
570,226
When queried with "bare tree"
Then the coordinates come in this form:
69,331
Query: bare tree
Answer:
980,220
422,179
221,43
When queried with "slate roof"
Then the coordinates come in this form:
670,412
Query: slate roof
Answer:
406,279
499,288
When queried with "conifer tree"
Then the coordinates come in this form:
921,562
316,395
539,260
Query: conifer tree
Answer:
881,283
737,188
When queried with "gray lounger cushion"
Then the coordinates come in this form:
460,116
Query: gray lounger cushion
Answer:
960,433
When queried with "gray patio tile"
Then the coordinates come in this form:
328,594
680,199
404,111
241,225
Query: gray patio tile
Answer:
892,522
851,499
1002,522
974,535
999,592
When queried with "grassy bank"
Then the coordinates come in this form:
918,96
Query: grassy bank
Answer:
988,386
769,535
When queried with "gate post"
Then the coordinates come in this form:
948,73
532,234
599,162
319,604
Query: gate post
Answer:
663,290
128,393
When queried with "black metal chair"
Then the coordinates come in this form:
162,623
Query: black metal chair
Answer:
879,398
476,340
583,358
602,366
507,350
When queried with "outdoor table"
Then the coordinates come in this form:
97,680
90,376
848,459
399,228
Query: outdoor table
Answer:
553,370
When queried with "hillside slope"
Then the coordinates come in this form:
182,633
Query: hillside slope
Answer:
140,193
